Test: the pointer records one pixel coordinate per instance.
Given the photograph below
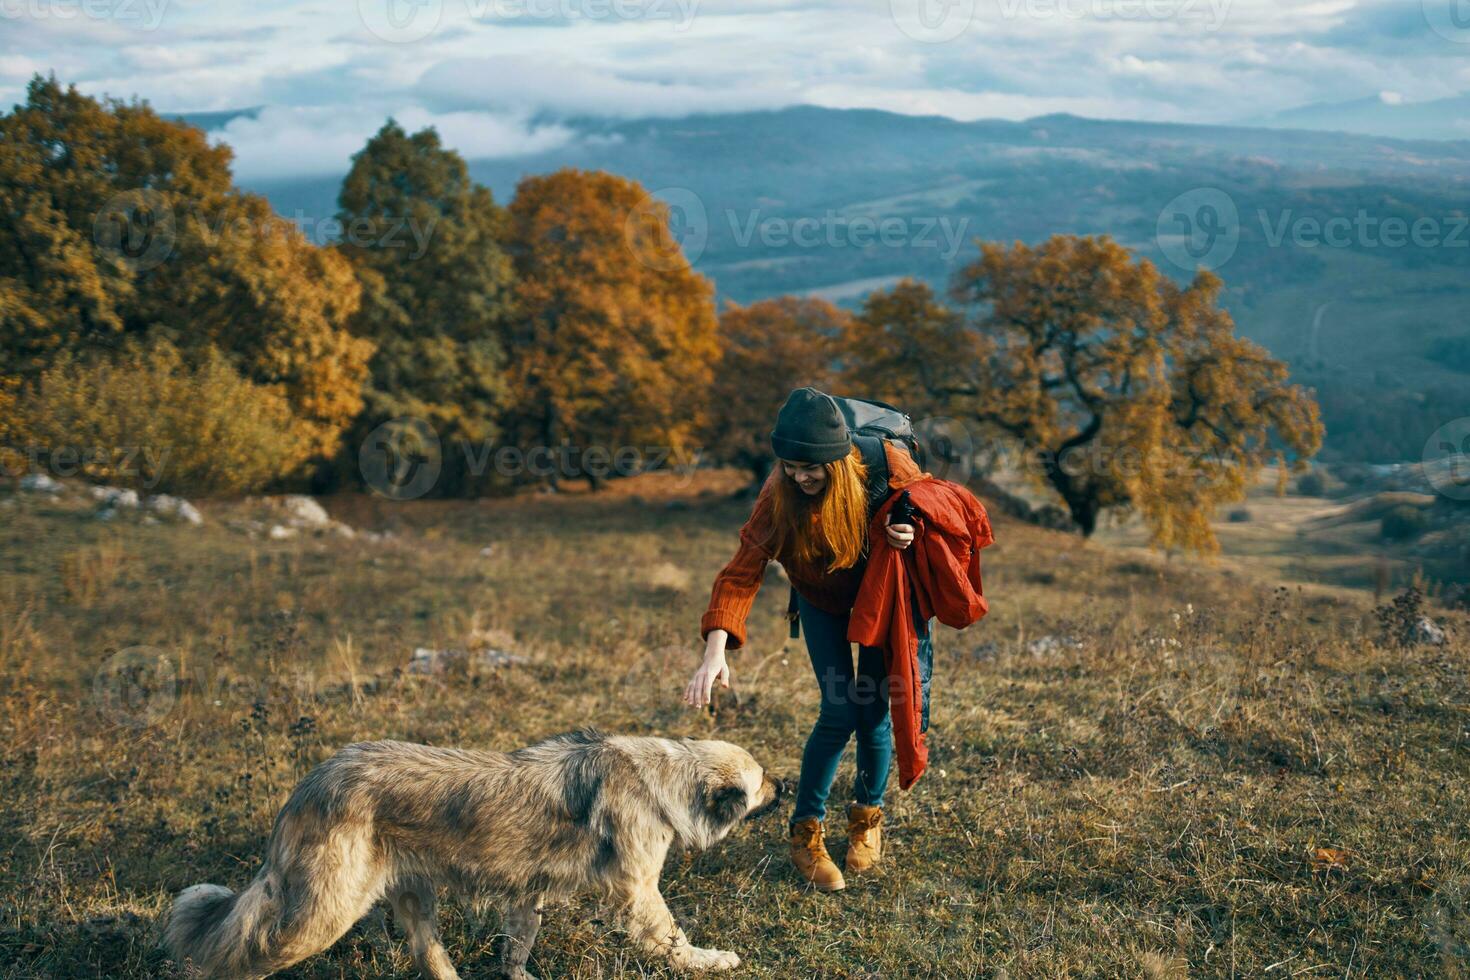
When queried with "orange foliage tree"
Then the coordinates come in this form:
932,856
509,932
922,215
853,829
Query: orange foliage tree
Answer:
117,223
1130,391
612,345
767,349
906,347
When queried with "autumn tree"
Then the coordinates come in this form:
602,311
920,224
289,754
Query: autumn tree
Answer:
116,223
613,342
767,349
908,348
426,242
1130,391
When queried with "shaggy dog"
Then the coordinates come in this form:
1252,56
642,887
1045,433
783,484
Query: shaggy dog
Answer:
393,820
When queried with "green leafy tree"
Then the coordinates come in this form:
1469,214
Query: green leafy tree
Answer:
426,242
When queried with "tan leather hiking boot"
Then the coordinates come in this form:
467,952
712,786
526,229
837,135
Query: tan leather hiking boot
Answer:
864,837
809,854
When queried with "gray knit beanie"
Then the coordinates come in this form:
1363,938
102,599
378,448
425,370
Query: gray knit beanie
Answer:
810,429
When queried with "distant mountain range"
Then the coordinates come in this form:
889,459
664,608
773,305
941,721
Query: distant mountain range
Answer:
1385,114
1347,255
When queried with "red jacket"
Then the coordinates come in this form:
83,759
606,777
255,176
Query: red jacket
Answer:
940,572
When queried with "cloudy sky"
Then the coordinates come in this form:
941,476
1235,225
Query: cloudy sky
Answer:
494,75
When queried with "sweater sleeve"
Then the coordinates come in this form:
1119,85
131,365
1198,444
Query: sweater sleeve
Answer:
736,586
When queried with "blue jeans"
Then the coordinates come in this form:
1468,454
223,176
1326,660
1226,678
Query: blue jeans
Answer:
854,702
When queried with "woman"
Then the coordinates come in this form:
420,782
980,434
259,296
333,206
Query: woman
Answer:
812,517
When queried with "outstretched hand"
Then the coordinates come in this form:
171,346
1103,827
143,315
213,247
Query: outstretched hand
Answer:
714,670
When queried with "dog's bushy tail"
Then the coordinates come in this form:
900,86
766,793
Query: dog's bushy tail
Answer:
214,932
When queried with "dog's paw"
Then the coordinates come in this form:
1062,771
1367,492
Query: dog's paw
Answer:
711,959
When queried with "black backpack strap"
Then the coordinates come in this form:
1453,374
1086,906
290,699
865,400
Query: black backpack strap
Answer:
875,460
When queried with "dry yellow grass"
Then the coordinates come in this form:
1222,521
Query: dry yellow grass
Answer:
1150,801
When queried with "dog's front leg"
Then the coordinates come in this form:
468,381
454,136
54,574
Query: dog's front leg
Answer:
522,921
648,920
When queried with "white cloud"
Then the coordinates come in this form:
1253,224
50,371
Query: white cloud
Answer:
321,140
330,81
562,86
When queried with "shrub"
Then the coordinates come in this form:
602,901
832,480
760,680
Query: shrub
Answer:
1403,523
11,461
1398,621
149,418
1311,484
1240,516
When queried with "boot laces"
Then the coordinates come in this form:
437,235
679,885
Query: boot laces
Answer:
811,838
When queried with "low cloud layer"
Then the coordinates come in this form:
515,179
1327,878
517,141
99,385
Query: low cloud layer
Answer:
489,73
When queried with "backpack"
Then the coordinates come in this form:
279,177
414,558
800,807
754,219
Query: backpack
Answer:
871,424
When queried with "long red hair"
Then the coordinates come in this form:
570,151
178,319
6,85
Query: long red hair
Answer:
832,528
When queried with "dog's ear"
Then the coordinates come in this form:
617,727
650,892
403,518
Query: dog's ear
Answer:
727,804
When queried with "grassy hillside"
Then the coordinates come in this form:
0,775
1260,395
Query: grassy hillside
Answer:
1138,767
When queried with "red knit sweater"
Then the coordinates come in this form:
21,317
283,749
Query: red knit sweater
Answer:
736,586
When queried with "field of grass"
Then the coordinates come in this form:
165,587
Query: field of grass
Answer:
1138,767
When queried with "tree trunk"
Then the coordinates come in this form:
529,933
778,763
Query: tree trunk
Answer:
1081,501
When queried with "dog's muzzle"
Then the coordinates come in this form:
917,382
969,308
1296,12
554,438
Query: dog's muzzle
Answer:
778,789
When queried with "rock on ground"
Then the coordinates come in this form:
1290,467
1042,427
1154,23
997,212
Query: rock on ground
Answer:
114,496
175,507
40,483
